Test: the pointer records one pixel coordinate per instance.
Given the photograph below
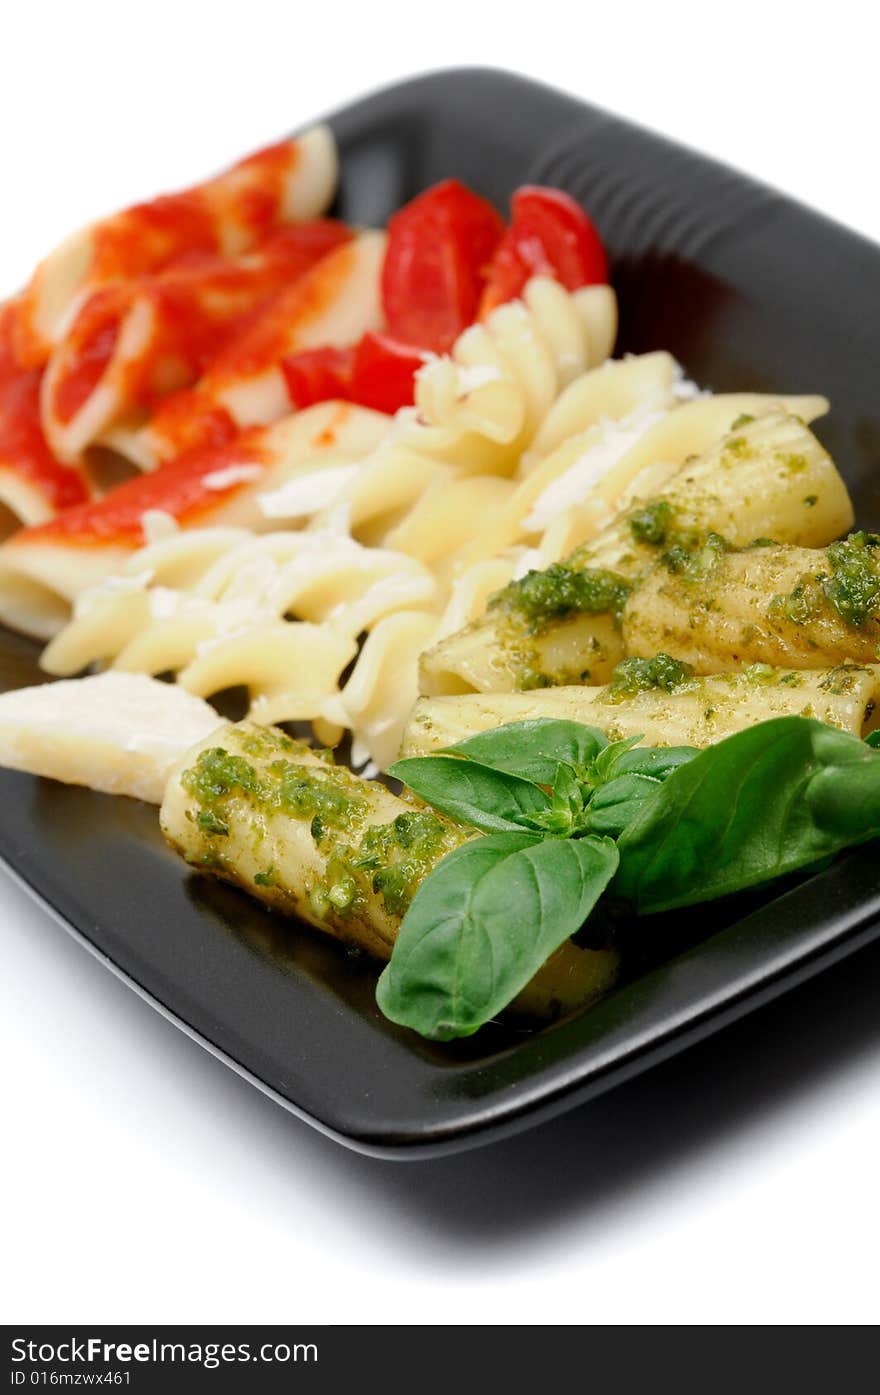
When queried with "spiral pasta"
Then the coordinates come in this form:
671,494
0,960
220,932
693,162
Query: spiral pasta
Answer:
376,701
233,578
503,376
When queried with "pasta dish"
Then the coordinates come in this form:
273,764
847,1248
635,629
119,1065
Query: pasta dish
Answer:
589,640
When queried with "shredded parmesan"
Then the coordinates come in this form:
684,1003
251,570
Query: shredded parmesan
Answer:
157,525
231,475
615,438
298,498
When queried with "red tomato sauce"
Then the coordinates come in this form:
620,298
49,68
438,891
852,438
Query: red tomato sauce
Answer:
269,337
198,306
23,447
177,488
194,417
148,236
189,420
258,203
96,333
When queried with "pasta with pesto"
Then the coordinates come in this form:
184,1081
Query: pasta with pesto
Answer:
685,709
769,476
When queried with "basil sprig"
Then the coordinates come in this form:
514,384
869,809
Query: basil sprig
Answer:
493,911
570,816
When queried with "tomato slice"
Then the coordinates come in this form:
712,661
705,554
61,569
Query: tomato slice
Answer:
439,247
384,373
379,372
549,235
318,375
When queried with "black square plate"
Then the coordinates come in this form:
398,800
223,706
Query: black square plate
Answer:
750,291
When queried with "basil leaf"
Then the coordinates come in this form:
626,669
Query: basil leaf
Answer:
482,924
844,796
655,762
533,749
616,803
489,799
770,800
873,739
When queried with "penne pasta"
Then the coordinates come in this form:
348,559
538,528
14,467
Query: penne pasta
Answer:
285,183
333,304
135,341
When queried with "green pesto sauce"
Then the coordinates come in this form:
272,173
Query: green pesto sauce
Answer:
391,859
217,774
854,585
209,822
841,680
269,741
313,794
633,676
801,605
529,678
766,676
851,586
284,786
792,462
541,596
209,858
696,563
759,675
737,448
653,523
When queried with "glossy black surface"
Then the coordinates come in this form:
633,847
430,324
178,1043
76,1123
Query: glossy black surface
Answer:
749,290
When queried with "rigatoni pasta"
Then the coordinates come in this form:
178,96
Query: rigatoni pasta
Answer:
681,710
768,477
796,606
308,837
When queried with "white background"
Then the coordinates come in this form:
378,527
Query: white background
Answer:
140,1179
